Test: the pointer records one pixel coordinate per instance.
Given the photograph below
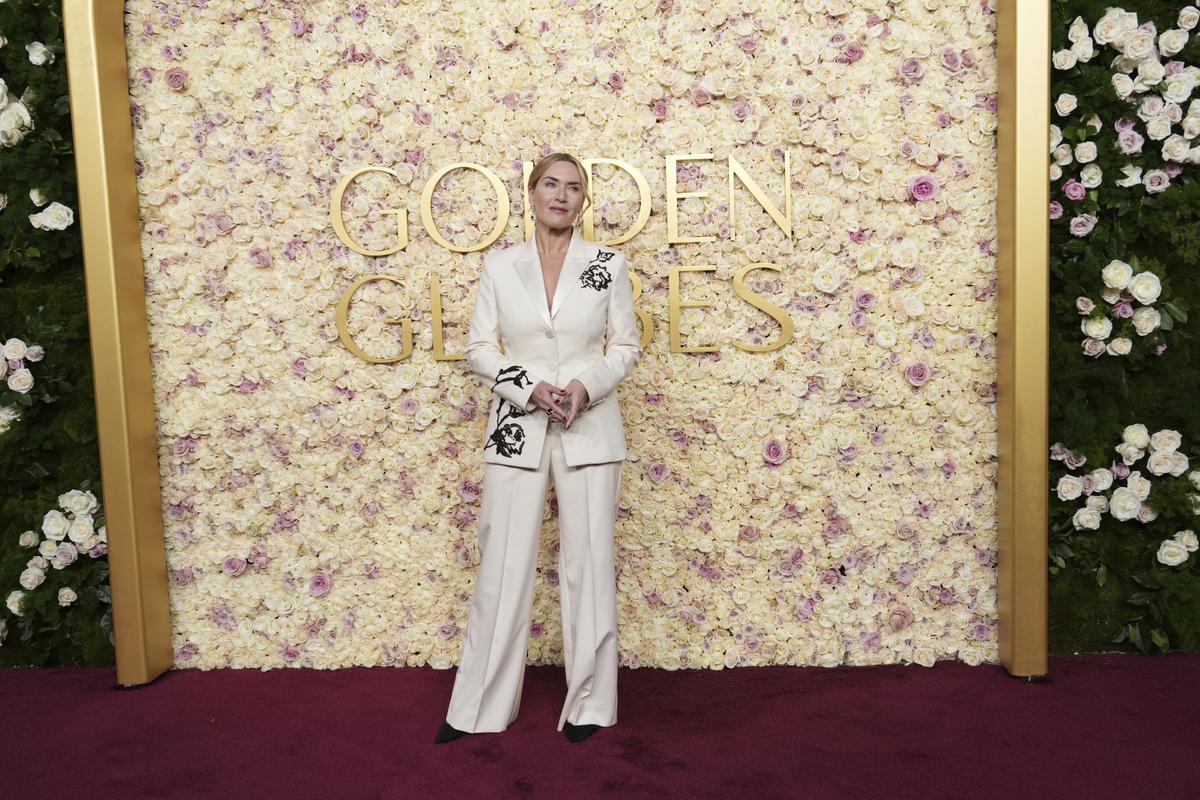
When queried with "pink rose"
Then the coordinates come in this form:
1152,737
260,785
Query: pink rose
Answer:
233,566
1056,209
923,187
774,452
951,60
1074,190
1082,225
1084,305
912,70
917,373
320,584
176,78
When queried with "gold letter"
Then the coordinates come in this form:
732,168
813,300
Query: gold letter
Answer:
501,207
647,320
589,221
343,313
760,302
676,305
784,221
673,196
435,296
339,226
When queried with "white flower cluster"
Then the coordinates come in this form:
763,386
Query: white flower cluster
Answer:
13,367
66,537
1122,288
1129,501
1175,551
15,120
1139,70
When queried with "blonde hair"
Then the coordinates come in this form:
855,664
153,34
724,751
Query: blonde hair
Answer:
539,169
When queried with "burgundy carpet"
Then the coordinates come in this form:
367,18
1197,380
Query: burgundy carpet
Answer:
1096,727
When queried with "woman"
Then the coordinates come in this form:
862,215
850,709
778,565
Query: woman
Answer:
550,302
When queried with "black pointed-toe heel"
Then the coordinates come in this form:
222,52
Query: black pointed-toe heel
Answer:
448,733
577,733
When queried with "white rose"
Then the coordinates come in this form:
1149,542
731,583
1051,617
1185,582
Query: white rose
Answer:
14,602
37,197
1172,553
1179,463
1194,477
1098,502
1150,72
1188,17
64,556
1078,30
885,336
55,217
1055,137
1096,327
1178,90
1133,176
1145,287
1069,487
1055,172
1086,519
66,596
1064,155
48,547
1064,59
1139,45
1084,49
55,525
1158,129
1125,504
1085,152
82,529
1091,176
1146,514
1166,440
1102,478
1139,485
1129,453
1172,41
21,381
1122,85
1146,320
39,54
1112,25
15,348
78,502
1065,104
1136,435
31,578
913,306
1187,539
1159,463
1120,346
1176,148
1117,274
29,539
825,281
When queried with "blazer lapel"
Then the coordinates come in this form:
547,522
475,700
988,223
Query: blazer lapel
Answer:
529,269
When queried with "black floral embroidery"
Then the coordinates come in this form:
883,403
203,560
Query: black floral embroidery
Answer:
596,275
509,437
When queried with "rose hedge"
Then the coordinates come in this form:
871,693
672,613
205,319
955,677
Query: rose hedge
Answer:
1109,587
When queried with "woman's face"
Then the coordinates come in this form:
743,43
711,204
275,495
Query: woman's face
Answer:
558,195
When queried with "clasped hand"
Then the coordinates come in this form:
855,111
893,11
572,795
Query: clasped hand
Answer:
563,405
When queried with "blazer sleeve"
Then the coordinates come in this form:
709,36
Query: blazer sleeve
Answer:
624,348
506,378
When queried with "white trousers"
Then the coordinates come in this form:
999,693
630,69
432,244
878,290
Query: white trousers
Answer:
487,687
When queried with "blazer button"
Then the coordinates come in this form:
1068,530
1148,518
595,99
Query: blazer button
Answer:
549,334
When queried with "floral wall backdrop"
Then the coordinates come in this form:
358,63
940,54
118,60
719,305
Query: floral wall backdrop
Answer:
829,502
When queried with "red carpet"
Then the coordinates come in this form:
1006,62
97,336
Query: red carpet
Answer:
1098,727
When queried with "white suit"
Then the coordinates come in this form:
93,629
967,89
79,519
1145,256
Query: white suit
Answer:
523,449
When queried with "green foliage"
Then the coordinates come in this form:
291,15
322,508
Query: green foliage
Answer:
52,447
1107,588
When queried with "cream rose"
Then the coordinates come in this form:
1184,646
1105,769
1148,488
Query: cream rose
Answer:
1117,274
1139,485
1166,440
1172,41
1146,320
1145,287
55,217
1171,553
1065,104
1069,487
1102,479
1096,327
1086,519
1136,435
1085,152
66,596
1189,16
1187,539
55,525
1124,504
1119,346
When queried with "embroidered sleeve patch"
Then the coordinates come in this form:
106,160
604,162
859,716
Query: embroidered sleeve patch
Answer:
509,437
596,276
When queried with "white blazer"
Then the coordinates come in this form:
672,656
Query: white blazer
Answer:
593,298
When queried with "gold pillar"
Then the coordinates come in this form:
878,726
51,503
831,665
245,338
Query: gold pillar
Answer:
1022,218
108,213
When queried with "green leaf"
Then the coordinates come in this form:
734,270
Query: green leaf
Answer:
1175,309
1159,638
1135,636
1141,598
1146,579
1165,320
1101,575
